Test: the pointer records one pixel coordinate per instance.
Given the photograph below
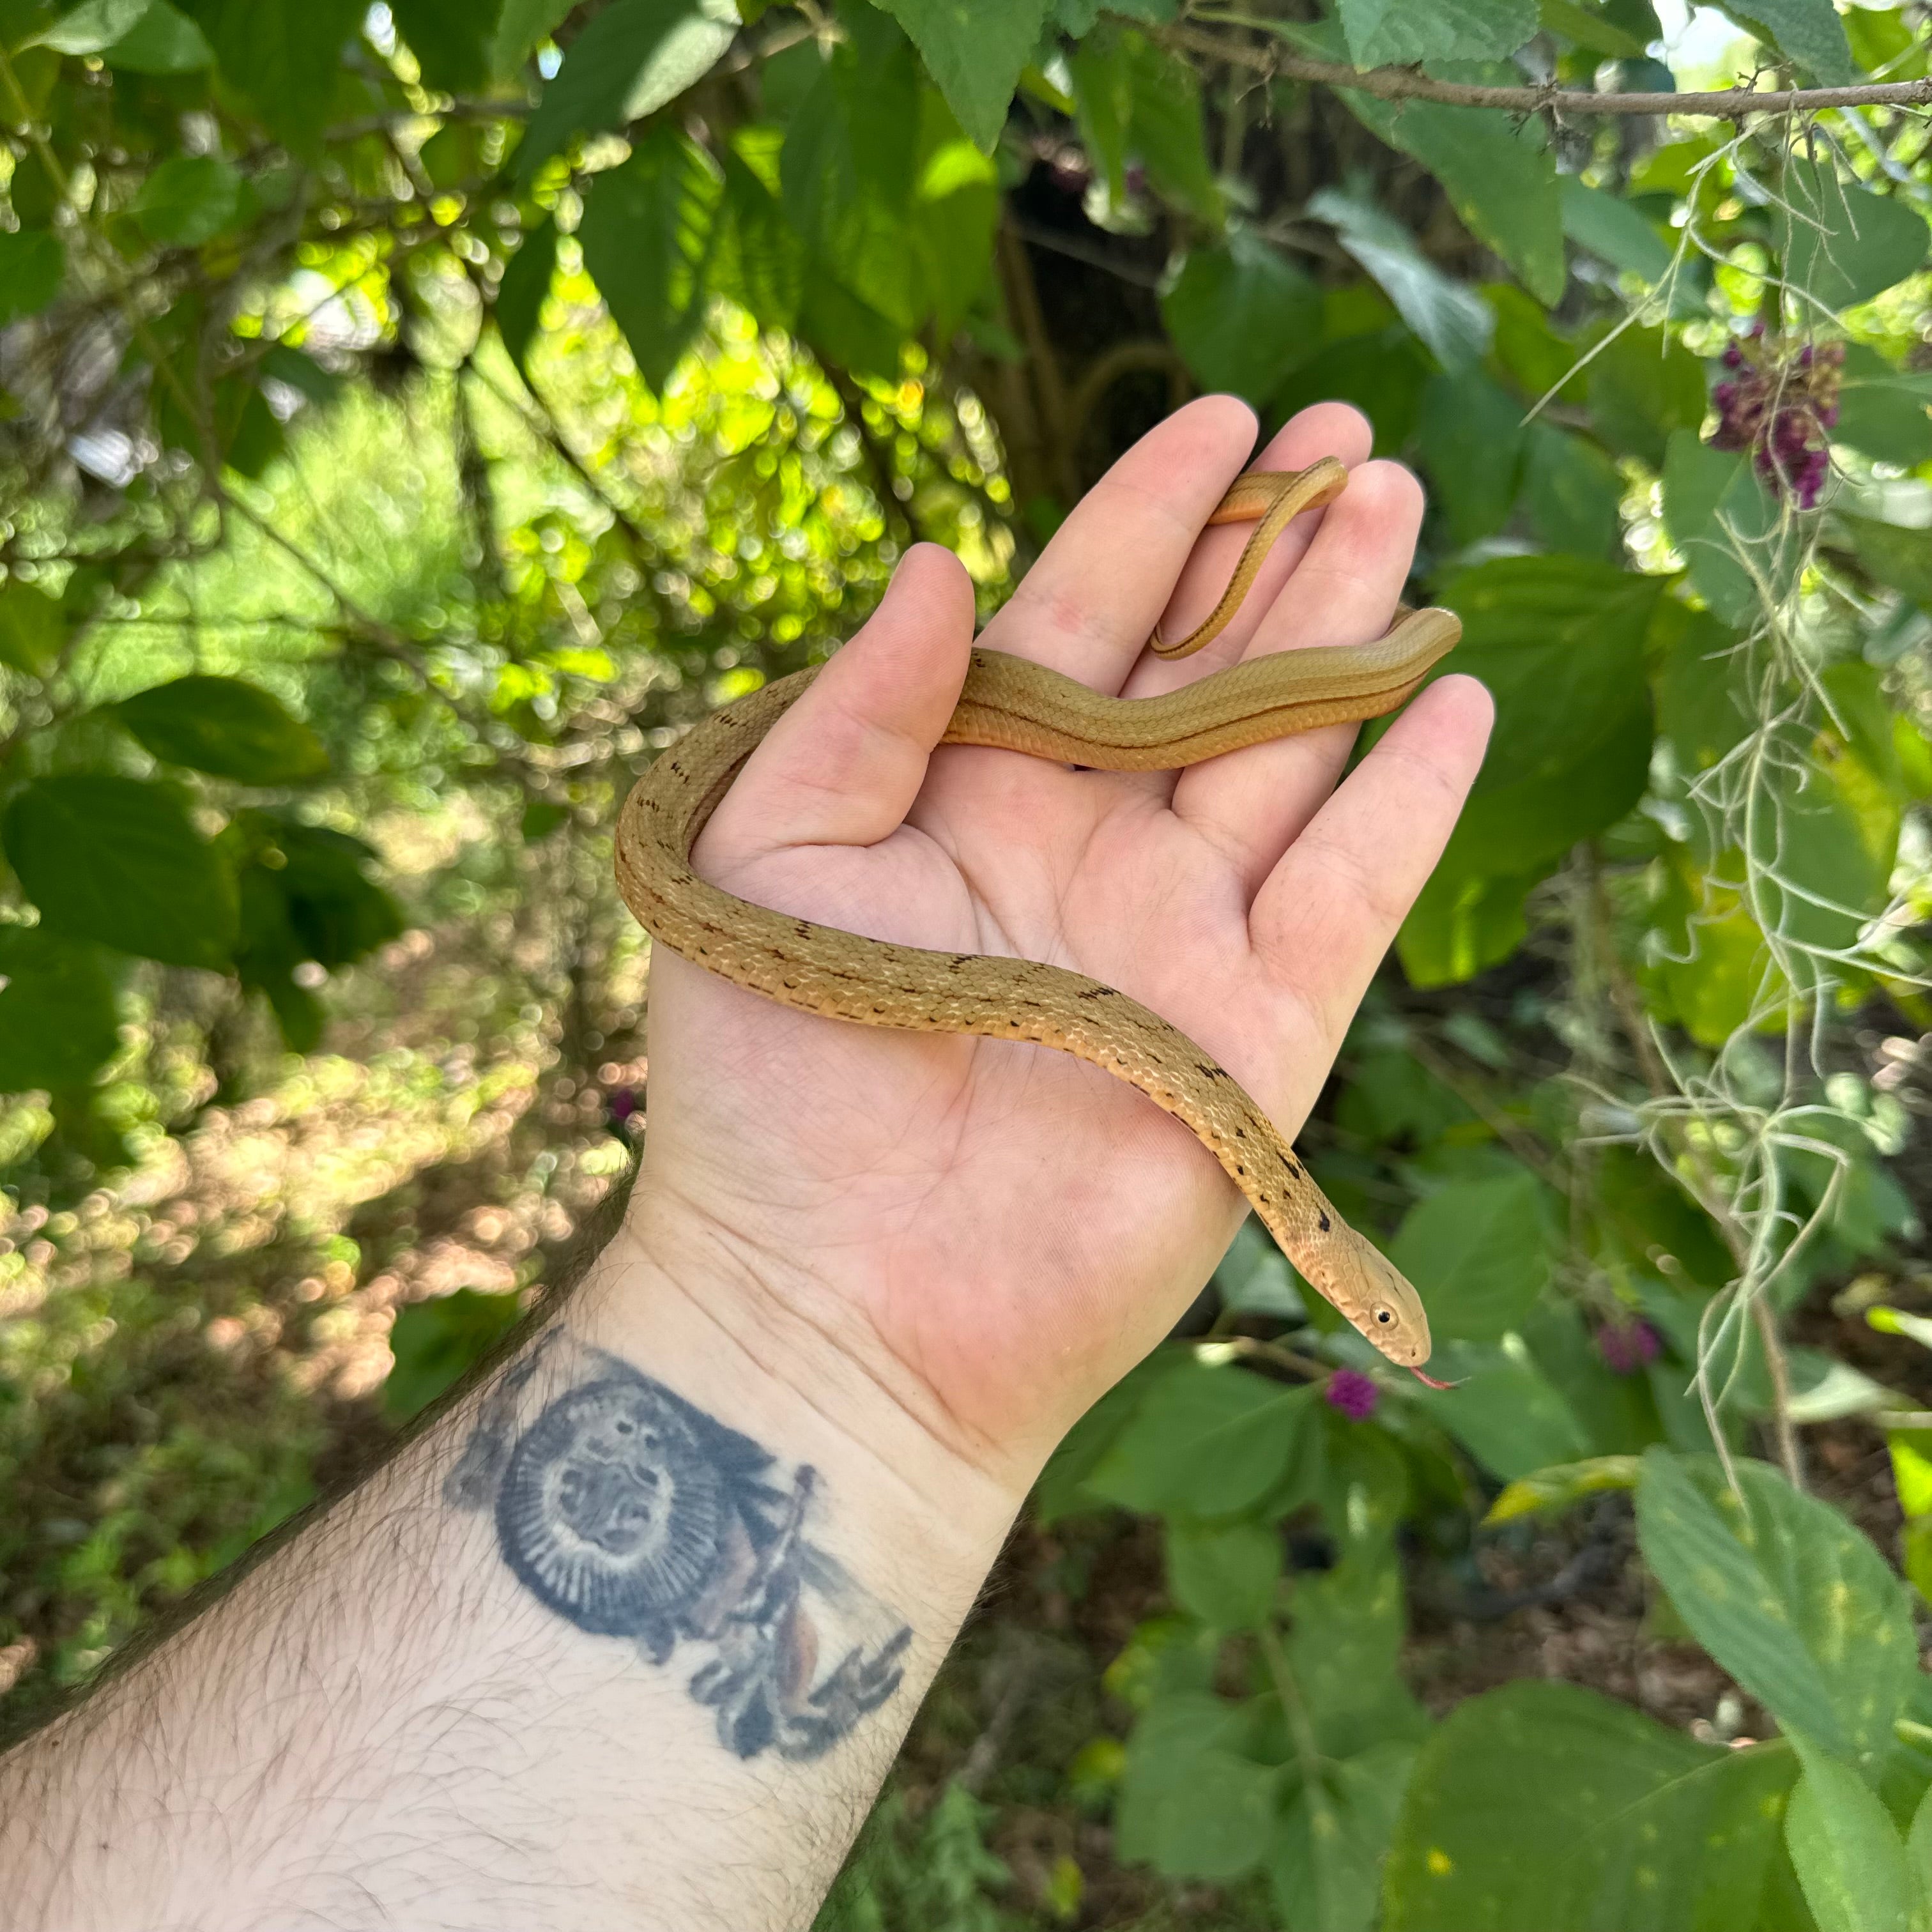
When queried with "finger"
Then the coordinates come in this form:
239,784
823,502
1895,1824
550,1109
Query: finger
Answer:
843,766
1329,910
1327,429
1252,803
1089,605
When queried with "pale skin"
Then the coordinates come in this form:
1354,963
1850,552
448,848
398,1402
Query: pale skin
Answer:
908,1260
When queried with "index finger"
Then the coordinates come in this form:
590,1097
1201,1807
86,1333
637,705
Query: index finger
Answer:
1087,607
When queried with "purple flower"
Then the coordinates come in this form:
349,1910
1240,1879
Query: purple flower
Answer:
1350,1392
1780,407
1625,1346
619,1104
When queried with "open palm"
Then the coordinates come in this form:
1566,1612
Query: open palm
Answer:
997,1231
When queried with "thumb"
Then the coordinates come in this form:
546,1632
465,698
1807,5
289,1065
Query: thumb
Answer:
843,766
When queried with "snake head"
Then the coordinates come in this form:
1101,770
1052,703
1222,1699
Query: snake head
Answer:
1378,1299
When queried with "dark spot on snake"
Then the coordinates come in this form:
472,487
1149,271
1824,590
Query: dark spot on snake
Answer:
1099,993
1213,1071
1240,1171
1322,1221
959,959
1240,1133
803,930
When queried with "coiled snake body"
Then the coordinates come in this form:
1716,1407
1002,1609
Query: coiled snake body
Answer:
1020,706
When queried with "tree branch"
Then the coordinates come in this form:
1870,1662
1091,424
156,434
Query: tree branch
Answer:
1404,83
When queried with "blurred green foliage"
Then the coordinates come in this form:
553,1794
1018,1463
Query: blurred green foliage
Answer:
411,418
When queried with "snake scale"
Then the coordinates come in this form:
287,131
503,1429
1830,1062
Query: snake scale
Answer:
1012,703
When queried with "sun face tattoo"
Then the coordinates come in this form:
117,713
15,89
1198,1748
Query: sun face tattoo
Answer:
633,1514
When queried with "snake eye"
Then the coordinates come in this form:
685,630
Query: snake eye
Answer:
1384,1316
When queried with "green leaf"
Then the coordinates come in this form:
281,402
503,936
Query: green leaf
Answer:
523,26
59,1021
1611,230
115,860
633,57
846,178
1840,245
1901,559
1241,315
1327,1872
1497,169
1545,1806
523,290
1206,1442
1224,1576
305,895
1479,1252
338,914
1344,1647
1644,385
1885,412
1884,42
1787,1595
1397,33
1622,29
435,1342
1165,130
1918,1844
647,232
1461,923
450,40
162,41
1847,1852
302,373
1535,356
32,627
974,50
955,210
1505,1411
1724,520
761,262
187,199
91,27
1254,1277
1572,494
1454,321
1560,642
1190,1804
1562,1486
223,725
540,819
1809,31
33,264
1382,374
283,56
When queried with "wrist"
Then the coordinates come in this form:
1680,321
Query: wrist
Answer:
771,1348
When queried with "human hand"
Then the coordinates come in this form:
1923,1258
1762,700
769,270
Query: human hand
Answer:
987,1234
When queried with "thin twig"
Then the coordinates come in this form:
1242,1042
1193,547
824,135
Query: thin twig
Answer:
1404,83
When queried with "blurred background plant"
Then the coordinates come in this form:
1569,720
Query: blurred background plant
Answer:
414,416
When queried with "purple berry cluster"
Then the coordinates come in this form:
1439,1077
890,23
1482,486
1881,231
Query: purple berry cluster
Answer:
1781,406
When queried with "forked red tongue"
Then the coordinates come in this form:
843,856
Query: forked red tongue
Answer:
1430,1380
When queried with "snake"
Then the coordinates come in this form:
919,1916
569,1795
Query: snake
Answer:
1016,705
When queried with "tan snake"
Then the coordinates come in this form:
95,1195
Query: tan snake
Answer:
1023,706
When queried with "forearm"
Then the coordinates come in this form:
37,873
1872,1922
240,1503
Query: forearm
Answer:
628,1638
